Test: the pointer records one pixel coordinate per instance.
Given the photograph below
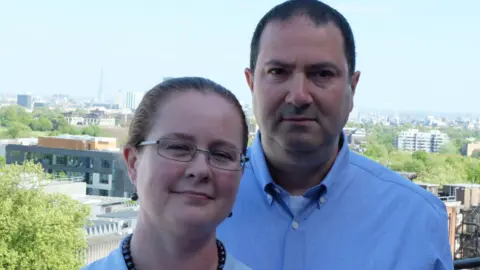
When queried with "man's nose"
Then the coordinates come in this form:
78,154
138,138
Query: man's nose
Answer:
298,93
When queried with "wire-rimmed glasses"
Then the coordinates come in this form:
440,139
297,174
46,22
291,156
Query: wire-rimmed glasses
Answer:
224,158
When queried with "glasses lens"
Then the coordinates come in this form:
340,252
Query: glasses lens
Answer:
175,149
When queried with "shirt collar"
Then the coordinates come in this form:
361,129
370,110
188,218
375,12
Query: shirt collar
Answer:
262,174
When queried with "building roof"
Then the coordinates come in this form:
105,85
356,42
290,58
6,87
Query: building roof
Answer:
92,240
84,138
100,200
466,185
127,214
427,184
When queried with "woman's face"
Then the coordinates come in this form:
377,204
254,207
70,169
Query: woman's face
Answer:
180,195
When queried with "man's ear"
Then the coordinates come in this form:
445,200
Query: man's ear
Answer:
249,77
130,156
354,81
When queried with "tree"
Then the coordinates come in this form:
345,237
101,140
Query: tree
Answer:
38,230
17,130
92,130
42,124
449,148
420,156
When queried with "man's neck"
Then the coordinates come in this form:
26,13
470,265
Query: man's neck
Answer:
153,248
294,175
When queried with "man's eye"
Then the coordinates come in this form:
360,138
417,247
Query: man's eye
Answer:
277,71
323,74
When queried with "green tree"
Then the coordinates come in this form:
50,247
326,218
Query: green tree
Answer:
449,148
2,161
92,130
17,130
42,124
38,230
420,156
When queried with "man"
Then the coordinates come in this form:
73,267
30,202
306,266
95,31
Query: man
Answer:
306,201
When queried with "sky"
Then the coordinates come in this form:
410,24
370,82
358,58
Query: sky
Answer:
413,55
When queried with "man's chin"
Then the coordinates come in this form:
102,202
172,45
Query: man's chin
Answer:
301,144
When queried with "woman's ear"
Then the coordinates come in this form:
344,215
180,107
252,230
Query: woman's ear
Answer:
130,154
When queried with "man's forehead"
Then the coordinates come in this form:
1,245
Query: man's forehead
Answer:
300,39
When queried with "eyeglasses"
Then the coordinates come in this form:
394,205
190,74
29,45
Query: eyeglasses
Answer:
223,158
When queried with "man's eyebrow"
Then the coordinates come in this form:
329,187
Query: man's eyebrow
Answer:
324,64
318,65
279,63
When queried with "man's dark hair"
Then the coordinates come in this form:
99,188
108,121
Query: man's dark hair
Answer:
317,11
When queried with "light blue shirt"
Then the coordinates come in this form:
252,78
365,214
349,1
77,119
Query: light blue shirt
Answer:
115,261
362,216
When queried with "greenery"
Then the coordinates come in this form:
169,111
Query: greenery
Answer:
16,122
448,166
38,230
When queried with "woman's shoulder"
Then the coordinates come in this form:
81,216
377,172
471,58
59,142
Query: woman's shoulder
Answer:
233,264
114,260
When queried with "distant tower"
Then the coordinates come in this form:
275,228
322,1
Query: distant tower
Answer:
100,87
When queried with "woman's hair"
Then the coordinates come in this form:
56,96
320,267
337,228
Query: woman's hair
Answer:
143,118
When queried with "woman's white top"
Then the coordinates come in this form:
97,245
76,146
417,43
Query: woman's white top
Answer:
115,261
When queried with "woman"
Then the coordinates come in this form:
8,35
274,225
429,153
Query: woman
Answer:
185,156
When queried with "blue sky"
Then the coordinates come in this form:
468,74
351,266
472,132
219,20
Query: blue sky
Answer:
414,55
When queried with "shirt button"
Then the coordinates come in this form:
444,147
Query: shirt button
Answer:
322,200
295,225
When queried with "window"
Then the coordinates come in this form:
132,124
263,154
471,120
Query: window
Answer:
47,159
103,192
15,154
103,178
88,179
74,161
105,164
61,160
89,191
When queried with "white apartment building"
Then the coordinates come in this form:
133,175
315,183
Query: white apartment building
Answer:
413,140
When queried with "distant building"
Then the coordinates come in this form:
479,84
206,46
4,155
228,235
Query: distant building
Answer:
96,160
414,140
470,148
25,100
133,99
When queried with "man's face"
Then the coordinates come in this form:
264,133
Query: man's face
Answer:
302,92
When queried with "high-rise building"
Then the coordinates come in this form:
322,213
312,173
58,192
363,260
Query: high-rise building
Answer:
25,100
133,99
414,140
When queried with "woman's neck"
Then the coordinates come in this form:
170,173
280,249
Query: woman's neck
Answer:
153,249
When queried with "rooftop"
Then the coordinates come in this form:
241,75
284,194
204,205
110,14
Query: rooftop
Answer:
105,238
427,184
84,138
100,200
466,185
127,214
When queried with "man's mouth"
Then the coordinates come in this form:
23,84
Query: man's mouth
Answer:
298,119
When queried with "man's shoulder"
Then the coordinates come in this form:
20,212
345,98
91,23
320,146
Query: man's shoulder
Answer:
114,260
397,185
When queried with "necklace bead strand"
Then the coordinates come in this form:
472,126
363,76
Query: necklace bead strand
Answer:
127,256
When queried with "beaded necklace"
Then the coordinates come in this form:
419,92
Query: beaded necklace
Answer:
127,256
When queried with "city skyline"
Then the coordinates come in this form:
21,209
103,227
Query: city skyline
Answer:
422,62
